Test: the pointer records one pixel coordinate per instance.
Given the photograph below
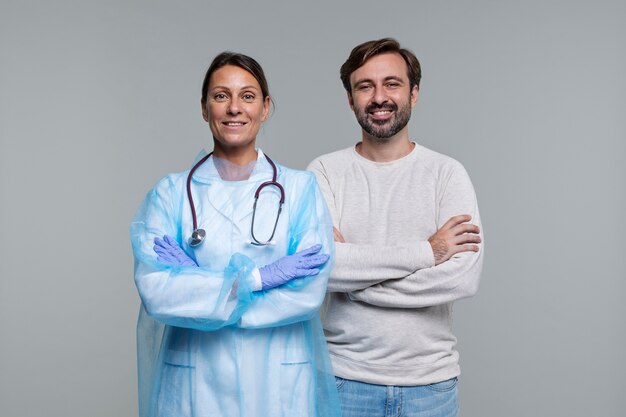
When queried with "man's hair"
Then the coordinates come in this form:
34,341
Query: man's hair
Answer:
361,53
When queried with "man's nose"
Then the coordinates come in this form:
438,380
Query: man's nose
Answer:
380,96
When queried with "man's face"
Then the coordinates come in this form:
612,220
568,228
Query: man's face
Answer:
381,97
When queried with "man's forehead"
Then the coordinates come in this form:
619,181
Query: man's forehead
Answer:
381,66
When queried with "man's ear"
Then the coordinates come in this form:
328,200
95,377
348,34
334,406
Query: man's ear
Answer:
415,93
350,100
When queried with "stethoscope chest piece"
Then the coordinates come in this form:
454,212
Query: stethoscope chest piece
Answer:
197,237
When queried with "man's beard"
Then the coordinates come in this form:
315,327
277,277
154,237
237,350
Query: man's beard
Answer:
384,129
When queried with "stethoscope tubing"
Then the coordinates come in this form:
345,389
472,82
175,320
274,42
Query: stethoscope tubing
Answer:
189,196
198,235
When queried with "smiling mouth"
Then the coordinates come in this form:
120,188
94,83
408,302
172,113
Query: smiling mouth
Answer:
233,124
381,111
381,116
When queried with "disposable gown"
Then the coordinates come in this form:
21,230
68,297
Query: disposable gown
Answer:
210,346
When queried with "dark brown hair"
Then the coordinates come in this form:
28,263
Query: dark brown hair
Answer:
361,53
239,60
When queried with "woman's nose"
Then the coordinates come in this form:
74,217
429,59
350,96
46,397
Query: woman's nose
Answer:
233,107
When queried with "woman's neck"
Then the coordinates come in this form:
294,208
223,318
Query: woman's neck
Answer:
239,155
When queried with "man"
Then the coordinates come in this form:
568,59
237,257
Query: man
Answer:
406,249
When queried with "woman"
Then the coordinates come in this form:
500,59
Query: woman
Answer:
231,285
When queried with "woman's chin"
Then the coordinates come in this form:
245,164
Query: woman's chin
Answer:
234,143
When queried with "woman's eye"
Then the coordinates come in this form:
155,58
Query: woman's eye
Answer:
220,97
248,97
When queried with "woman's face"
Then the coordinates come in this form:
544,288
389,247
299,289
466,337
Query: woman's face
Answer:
235,107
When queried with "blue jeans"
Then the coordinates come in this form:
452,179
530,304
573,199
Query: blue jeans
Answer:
359,399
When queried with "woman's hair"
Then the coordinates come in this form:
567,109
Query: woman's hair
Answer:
361,53
238,60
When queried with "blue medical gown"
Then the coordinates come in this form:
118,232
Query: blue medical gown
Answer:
208,344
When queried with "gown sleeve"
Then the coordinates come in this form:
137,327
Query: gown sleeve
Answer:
301,298
191,297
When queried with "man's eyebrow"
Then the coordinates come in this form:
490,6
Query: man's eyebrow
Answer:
362,81
388,78
395,78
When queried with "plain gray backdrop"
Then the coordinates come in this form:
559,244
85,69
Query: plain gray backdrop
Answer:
100,99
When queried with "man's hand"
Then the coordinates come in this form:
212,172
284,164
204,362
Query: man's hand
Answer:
338,236
455,236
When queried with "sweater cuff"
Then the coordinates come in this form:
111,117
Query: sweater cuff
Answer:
423,255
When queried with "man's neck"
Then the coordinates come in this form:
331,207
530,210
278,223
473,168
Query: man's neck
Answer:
385,150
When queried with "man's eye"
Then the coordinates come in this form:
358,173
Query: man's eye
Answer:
393,85
364,87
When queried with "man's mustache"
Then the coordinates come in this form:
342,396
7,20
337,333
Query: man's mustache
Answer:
377,107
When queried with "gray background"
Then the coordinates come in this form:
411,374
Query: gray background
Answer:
98,100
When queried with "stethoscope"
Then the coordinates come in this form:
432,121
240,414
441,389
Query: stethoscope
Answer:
198,235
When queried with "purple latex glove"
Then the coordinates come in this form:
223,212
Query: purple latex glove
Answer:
300,264
170,253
